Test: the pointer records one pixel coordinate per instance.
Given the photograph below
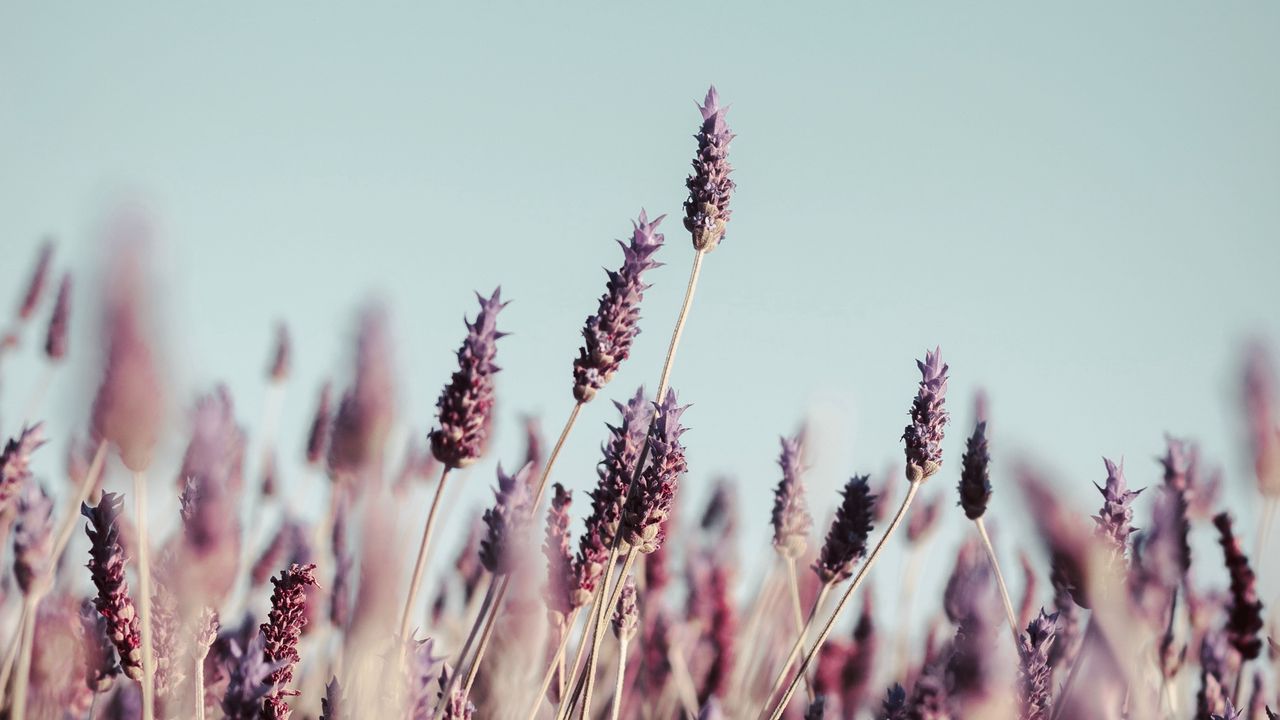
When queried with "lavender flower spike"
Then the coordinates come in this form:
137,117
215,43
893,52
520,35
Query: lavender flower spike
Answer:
32,539
1035,673
55,342
15,463
1117,509
1244,619
561,591
35,286
847,539
928,419
706,212
106,567
466,403
506,521
791,519
100,668
975,482
626,616
609,333
649,504
281,632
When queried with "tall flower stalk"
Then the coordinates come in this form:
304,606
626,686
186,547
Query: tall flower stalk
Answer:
923,440
706,216
465,411
975,493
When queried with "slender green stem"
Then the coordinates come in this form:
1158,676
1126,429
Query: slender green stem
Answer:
420,565
913,488
1004,589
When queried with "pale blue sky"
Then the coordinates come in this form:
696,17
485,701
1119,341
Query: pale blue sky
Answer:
1078,204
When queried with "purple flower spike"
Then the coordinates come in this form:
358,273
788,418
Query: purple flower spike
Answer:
649,503
791,519
928,419
281,355
706,212
895,704
1035,673
100,666
15,462
506,521
1244,620
321,423
35,286
55,342
626,615
561,579
609,333
107,569
367,409
1117,509
282,630
249,680
466,403
621,453
975,481
847,539
32,538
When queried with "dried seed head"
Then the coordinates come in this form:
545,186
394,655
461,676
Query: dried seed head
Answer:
975,481
791,519
1117,509
107,569
466,403
928,419
649,503
706,212
846,541
609,333
626,615
506,521
1244,620
55,341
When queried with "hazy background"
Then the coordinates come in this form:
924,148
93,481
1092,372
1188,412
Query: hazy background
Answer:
1079,206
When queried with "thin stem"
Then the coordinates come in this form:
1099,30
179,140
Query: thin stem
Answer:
1264,531
575,678
598,635
906,596
144,595
794,582
555,453
689,291
912,489
761,601
421,564
11,654
797,646
489,624
1004,589
683,680
616,704
23,676
1061,704
557,662
199,683
490,593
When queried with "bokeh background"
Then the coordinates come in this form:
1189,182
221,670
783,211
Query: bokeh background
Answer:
1078,204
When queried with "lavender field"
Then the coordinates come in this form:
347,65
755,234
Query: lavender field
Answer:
925,409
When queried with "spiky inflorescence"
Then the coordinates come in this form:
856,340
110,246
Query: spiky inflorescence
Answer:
706,212
100,665
649,503
621,453
655,651
975,481
722,630
281,631
1229,712
506,521
466,403
791,519
895,704
817,709
860,661
1211,697
626,614
55,340
930,699
1177,464
333,705
15,463
609,333
846,541
249,680
367,409
35,285
281,355
1035,673
1244,621
562,588
456,706
928,419
107,568
1114,518
32,539
421,670
321,423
